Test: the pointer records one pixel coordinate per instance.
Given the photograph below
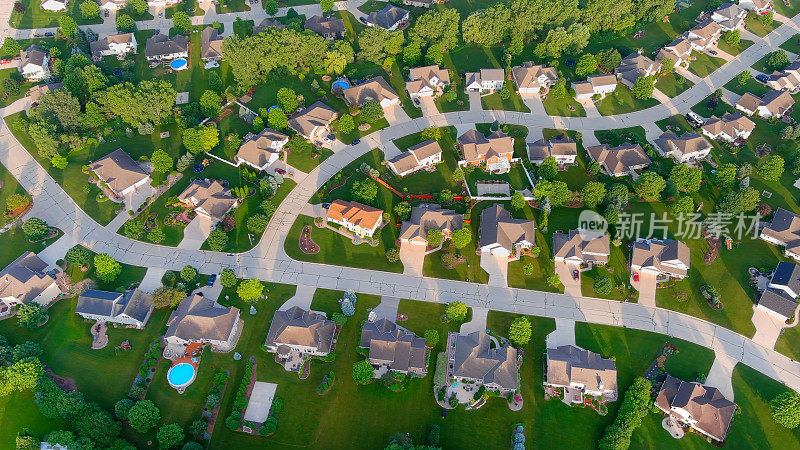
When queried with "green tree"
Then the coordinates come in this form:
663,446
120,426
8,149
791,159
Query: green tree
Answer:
164,297
649,185
556,191
181,21
58,108
777,60
732,38
106,268
287,98
686,178
188,274
643,88
96,424
144,415
609,59
271,7
17,202
487,27
277,119
59,162
558,91
593,193
461,238
257,223
345,124
78,256
10,48
435,27
363,372
200,139
587,65
403,210
217,240
125,23
326,5
161,161
740,201
517,201
725,176
431,338
456,311
371,111
90,9
683,205
122,407
67,26
785,408
134,229
771,168
548,169
137,6
30,315
210,103
227,278
169,435
435,237
520,331
365,190
250,290
35,229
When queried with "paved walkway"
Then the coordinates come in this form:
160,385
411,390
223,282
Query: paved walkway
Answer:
387,309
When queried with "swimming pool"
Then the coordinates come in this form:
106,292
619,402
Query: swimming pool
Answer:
340,84
181,375
178,64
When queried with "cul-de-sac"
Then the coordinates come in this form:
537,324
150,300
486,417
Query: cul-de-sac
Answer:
400,225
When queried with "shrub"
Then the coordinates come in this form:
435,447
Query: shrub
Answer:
35,229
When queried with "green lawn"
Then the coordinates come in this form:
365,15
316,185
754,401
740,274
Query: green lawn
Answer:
564,107
706,110
494,102
725,47
704,64
308,161
371,5
623,101
232,6
677,123
752,86
6,98
792,44
36,17
753,24
761,65
673,84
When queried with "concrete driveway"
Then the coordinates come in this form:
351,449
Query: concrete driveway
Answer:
564,334
534,102
721,374
387,308
302,298
768,328
647,288
195,233
478,322
412,256
572,287
428,106
497,268
475,101
396,114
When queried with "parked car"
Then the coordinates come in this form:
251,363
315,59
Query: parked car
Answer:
280,171
575,274
326,205
356,142
211,280
105,13
762,77
49,34
713,52
4,61
362,19
636,276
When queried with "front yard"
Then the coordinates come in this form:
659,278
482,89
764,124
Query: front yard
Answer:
704,64
622,101
672,84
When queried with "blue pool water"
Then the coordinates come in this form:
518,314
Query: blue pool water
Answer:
178,64
341,84
181,374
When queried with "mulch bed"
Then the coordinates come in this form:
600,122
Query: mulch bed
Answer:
212,415
307,244
65,383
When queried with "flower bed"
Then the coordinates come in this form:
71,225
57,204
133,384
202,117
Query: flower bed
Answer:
234,420
327,383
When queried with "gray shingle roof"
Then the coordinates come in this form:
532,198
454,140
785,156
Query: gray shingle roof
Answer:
162,45
474,358
387,17
390,344
296,326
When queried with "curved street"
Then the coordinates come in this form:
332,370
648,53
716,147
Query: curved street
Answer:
268,261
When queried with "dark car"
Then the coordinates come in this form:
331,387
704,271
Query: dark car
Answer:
49,34
356,142
326,205
575,275
762,77
211,280
362,19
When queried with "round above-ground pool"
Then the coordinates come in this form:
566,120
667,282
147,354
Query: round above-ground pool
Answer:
178,64
340,85
272,107
181,375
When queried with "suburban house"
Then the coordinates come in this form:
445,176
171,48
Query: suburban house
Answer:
678,51
595,85
579,248
132,308
121,174
485,81
786,80
314,122
54,5
161,48
260,150
25,281
690,146
502,235
417,157
426,217
198,319
581,372
530,78
268,23
563,149
389,18
427,81
619,161
779,299
393,348
34,64
376,89
112,5
774,103
35,93
701,407
421,3
117,45
729,16
784,231
667,258
295,333
208,198
480,359
210,45
730,127
634,66
704,35
496,150
760,7
328,27
360,219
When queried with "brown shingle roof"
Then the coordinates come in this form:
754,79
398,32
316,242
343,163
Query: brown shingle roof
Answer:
657,254
620,159
25,278
258,148
317,115
574,245
197,318
377,89
527,75
210,196
296,326
475,144
118,170
706,404
569,364
356,213
427,217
